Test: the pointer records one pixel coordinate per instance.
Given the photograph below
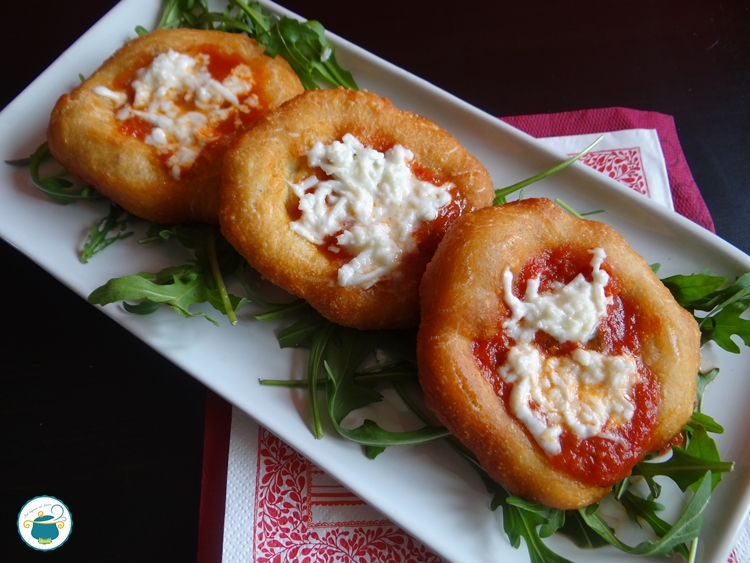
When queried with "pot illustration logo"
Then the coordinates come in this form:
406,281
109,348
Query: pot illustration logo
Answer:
44,523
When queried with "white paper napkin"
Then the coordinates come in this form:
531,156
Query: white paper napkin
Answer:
633,157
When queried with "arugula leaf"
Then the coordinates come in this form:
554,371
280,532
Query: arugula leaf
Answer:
502,194
98,240
553,518
703,381
740,289
143,308
702,446
640,508
388,374
726,323
303,44
302,333
55,185
724,307
219,293
214,258
576,529
345,395
342,358
685,529
277,311
704,421
180,13
394,372
522,519
317,349
691,291
685,467
179,287
343,350
310,54
575,213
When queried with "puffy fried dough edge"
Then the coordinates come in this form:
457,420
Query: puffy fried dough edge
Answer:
461,299
84,134
257,203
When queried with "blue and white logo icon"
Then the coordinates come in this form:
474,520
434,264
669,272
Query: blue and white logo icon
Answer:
44,523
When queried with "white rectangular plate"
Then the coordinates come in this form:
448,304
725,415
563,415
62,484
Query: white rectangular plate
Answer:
427,489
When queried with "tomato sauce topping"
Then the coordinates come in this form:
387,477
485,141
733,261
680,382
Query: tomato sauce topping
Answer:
220,65
596,460
136,127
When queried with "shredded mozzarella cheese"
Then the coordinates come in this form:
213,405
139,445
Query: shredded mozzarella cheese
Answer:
371,204
582,392
184,104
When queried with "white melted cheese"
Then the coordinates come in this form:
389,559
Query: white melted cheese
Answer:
582,392
372,204
184,104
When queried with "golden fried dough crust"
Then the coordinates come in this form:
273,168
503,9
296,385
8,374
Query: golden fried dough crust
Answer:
85,136
462,301
257,203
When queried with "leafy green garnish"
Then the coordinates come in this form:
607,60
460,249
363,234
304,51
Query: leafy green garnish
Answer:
501,195
317,350
106,231
532,522
179,287
703,380
708,423
718,308
641,509
683,467
578,531
345,395
349,387
311,55
303,44
685,529
56,185
574,213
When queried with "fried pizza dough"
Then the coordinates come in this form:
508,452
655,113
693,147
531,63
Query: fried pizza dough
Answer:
150,127
496,375
290,206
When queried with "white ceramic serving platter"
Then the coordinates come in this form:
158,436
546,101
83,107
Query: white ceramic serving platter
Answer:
428,490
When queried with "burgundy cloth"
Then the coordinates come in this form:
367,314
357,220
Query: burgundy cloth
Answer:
687,198
216,432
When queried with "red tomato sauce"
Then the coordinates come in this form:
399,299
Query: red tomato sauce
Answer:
136,127
220,65
335,253
596,460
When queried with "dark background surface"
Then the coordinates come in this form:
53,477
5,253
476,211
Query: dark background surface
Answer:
94,417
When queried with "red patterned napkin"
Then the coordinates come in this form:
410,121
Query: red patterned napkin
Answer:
687,198
313,511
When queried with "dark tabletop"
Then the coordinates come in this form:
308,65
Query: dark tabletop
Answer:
91,415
